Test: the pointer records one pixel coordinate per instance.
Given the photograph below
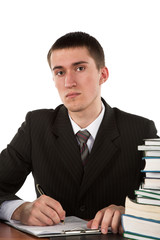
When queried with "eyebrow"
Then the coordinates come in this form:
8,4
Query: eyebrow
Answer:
74,64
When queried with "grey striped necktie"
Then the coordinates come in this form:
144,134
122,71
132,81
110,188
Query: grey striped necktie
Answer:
83,137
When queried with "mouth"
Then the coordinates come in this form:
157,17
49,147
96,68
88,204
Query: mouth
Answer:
72,94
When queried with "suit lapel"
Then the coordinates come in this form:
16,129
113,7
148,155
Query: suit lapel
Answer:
103,149
67,146
102,152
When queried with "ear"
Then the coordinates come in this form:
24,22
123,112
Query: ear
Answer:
104,74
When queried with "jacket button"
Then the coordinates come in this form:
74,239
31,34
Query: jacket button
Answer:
82,208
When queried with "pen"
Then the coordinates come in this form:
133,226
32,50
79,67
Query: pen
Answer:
41,192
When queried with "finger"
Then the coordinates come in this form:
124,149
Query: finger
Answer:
42,220
57,207
35,218
120,229
54,206
97,220
116,221
33,222
89,224
107,219
44,210
51,214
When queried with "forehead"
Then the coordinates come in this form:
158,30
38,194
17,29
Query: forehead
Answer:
68,56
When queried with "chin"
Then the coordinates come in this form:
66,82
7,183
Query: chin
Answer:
76,108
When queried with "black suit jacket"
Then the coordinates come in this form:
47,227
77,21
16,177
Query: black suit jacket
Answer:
46,146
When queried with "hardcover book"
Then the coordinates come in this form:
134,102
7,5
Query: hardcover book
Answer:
141,226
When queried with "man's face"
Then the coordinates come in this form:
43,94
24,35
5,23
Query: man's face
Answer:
77,78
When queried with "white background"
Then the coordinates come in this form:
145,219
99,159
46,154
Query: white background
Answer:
128,30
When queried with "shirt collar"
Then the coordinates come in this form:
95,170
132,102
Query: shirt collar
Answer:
93,127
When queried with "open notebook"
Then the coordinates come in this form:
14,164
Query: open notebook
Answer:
72,226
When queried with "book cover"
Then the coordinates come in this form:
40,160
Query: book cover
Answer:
151,164
149,194
149,147
152,174
151,153
151,157
137,236
141,226
151,183
146,200
152,141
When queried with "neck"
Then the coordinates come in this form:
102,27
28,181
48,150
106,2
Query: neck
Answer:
86,117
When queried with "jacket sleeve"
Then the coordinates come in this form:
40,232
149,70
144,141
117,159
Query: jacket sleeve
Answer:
15,162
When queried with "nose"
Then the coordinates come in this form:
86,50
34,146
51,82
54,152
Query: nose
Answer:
70,80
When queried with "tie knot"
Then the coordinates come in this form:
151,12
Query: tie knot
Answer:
83,136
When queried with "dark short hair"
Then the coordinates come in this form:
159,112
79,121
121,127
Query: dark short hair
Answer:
80,39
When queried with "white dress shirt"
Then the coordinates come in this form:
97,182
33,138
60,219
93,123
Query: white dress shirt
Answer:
8,207
92,128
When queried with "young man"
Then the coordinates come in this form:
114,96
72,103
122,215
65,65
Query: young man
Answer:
89,180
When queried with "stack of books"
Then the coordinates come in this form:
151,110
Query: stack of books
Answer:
142,215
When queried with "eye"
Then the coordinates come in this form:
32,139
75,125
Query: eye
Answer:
60,73
80,68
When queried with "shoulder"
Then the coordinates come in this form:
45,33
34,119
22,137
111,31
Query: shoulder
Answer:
130,123
135,123
123,116
42,115
129,116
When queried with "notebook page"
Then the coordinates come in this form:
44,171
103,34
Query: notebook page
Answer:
71,223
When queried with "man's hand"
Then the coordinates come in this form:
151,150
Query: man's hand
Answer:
108,217
43,211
